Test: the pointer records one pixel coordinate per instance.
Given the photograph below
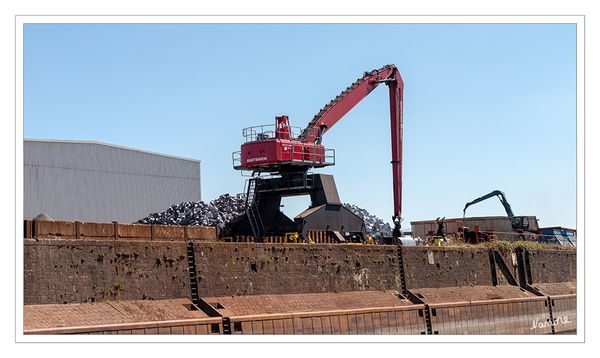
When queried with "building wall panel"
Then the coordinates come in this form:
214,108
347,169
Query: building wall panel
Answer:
88,181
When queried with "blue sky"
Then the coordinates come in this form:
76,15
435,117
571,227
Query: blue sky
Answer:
486,106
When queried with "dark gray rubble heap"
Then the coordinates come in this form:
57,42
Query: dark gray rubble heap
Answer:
198,213
373,225
226,207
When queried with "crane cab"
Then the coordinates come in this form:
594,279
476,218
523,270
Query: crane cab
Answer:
271,148
519,223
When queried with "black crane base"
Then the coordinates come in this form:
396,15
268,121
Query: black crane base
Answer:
279,226
325,213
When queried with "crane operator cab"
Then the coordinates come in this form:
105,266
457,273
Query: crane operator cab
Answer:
520,223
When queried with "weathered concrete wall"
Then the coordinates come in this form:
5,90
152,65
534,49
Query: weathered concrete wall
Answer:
545,266
512,263
59,271
246,268
429,266
468,266
64,271
549,266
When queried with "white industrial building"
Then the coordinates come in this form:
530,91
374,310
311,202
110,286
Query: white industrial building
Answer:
92,181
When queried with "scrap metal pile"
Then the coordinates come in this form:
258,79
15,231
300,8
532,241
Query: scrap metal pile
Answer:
373,225
226,207
198,213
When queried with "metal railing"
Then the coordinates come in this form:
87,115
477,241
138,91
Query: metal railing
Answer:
297,153
236,158
290,182
252,211
270,131
306,153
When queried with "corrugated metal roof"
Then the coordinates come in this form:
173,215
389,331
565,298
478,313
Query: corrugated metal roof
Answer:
108,145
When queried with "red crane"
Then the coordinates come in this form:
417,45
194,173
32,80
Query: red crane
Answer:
278,149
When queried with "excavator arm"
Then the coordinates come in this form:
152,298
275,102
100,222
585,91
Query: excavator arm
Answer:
345,101
500,196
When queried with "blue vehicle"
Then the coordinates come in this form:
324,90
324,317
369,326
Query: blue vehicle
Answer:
559,236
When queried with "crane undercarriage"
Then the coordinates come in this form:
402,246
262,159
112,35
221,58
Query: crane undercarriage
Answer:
326,213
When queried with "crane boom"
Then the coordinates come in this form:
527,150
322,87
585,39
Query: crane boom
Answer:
345,101
500,196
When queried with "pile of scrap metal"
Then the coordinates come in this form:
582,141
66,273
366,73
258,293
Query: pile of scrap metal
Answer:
215,213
